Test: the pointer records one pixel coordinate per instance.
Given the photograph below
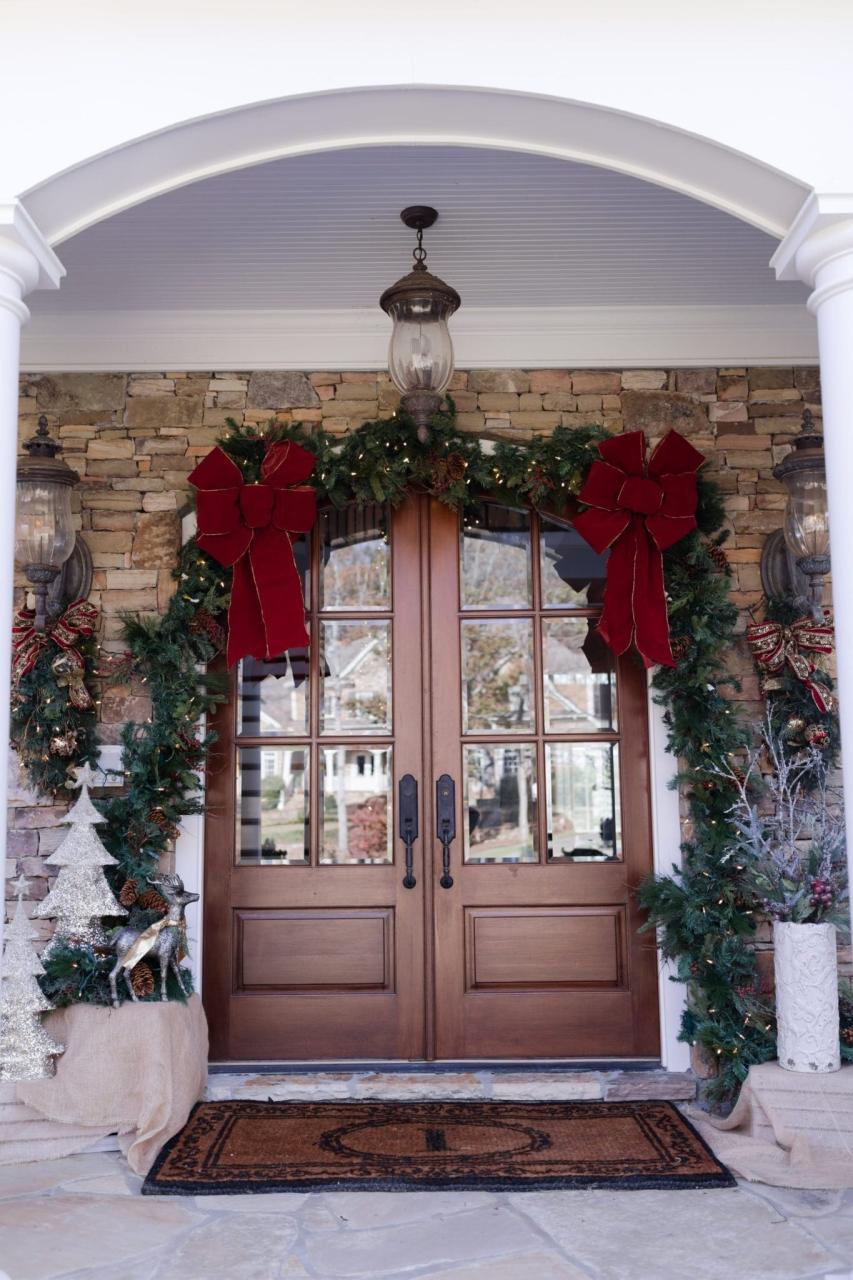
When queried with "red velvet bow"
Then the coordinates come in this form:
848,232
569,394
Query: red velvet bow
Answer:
638,512
251,526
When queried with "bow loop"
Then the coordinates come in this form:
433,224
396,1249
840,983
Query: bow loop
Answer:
250,526
638,513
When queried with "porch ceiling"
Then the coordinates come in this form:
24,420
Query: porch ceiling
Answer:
322,232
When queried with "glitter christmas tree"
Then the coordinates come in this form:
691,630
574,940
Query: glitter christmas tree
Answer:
26,1050
80,896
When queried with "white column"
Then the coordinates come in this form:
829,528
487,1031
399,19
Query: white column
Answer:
819,251
26,262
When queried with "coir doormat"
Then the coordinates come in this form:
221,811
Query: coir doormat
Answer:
420,1146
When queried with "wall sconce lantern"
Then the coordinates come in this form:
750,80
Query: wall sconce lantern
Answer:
420,354
803,541
44,535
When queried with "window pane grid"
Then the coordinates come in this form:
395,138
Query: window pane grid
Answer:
280,714
539,700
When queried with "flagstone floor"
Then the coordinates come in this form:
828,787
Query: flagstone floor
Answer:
82,1218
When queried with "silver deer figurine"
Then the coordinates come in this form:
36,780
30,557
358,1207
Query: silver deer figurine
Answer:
161,939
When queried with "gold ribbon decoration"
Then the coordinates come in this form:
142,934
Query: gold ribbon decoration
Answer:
774,646
143,943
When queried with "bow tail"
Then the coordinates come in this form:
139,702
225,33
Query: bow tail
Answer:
648,604
803,669
821,696
617,620
267,611
245,623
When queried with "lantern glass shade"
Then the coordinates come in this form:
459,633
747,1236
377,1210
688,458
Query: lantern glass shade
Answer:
806,516
420,354
44,532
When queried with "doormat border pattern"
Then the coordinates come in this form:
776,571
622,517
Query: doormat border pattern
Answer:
180,1167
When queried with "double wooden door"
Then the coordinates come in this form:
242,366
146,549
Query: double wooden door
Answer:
423,833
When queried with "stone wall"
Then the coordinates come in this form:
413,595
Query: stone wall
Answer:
134,438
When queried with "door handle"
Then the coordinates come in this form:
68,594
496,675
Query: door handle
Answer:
445,811
408,811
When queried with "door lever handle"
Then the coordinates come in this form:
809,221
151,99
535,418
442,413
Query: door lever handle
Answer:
445,810
408,811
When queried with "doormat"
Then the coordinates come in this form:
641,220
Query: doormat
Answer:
228,1147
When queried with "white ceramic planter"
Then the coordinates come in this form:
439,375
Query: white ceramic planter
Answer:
806,997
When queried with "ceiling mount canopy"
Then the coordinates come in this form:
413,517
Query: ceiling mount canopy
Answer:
420,353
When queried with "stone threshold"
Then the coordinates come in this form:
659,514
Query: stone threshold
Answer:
478,1085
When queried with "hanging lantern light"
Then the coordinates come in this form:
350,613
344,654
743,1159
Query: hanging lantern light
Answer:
44,533
806,526
420,354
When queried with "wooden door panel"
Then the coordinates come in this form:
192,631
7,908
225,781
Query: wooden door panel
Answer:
312,1027
558,1024
537,954
529,948
323,957
323,948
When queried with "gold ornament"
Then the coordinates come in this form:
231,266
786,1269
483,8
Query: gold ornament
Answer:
64,744
795,726
69,675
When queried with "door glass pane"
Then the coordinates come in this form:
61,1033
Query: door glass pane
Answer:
580,689
495,568
355,805
497,676
500,803
355,674
272,805
355,569
273,695
572,573
584,821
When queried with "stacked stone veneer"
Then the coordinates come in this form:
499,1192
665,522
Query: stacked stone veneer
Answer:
135,437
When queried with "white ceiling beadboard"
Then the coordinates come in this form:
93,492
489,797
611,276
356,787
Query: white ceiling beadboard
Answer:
265,250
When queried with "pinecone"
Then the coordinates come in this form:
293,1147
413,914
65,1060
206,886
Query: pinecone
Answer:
128,893
847,1036
203,623
719,557
151,900
446,471
166,825
142,980
681,646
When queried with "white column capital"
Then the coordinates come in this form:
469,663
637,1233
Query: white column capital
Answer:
27,261
818,248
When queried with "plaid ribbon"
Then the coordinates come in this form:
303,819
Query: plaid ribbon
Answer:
77,623
773,646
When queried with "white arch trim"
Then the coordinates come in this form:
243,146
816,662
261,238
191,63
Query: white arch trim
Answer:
193,150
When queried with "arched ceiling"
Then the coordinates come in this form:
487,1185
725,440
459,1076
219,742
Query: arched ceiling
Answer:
322,231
